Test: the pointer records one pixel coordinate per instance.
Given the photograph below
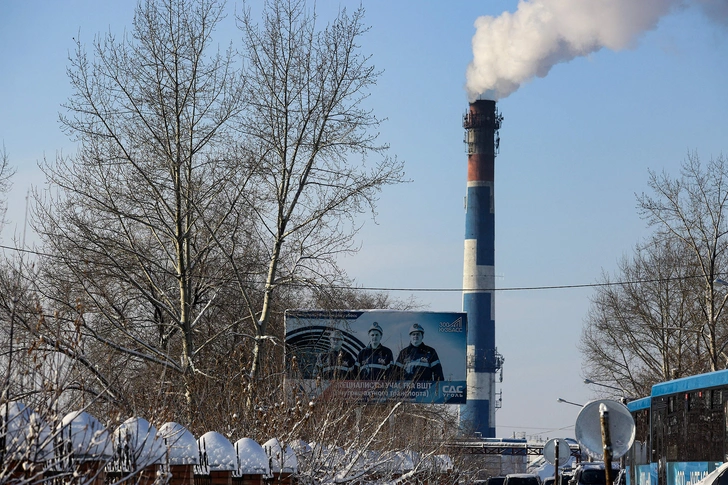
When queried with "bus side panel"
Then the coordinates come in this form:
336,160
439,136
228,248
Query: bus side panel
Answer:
688,473
644,475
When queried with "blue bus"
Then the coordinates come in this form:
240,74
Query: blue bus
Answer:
680,431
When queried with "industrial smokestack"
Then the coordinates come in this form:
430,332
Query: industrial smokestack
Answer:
481,123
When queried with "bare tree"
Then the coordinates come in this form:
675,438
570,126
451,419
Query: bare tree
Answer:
203,201
352,298
345,442
693,209
661,316
6,174
306,123
10,290
641,328
133,265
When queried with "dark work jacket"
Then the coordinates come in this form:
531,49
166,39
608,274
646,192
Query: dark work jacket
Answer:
419,363
335,365
374,364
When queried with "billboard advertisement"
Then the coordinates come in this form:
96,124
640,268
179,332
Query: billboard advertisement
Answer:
378,355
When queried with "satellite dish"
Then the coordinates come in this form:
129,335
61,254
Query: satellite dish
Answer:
588,428
549,451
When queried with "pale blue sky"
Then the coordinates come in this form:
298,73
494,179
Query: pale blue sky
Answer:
575,148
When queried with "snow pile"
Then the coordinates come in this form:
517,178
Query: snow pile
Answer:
181,444
218,453
85,437
27,436
301,448
282,460
252,458
138,444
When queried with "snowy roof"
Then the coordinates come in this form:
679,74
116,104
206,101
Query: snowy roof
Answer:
282,460
219,451
28,436
88,438
253,460
139,443
181,444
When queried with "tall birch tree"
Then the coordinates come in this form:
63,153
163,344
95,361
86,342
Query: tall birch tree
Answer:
311,134
208,193
133,264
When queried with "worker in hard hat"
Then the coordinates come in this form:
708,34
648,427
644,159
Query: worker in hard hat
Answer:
417,361
375,361
337,363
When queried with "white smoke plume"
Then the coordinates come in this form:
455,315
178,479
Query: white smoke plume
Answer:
516,47
716,10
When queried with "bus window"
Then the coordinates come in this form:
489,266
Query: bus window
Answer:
722,480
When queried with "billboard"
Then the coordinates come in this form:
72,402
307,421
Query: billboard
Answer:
378,355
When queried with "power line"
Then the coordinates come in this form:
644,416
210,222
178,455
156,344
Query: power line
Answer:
445,290
533,288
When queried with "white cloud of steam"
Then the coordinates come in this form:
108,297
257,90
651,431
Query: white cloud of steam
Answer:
716,10
515,47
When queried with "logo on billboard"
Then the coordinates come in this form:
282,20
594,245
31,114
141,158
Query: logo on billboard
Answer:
456,326
451,392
